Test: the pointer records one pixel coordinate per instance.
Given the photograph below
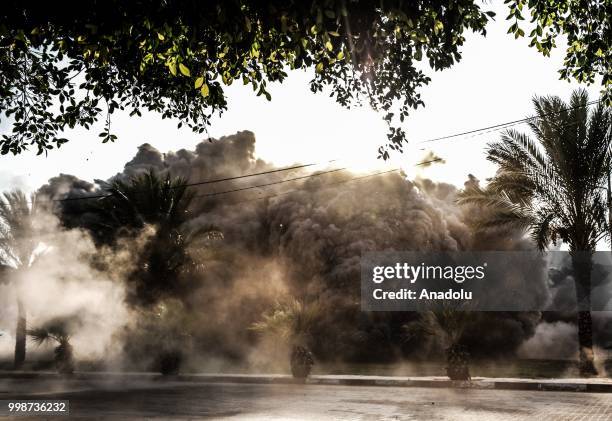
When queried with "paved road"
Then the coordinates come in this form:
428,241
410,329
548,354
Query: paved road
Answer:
173,400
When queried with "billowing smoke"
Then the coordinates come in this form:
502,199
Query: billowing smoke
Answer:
300,239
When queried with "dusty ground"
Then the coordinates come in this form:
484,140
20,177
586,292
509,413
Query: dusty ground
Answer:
179,400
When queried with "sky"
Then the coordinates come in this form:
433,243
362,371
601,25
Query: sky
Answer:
493,83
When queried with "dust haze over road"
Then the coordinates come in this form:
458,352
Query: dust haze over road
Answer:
180,400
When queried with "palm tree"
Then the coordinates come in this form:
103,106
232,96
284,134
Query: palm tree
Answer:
145,199
19,242
55,330
163,332
162,202
293,322
447,322
553,186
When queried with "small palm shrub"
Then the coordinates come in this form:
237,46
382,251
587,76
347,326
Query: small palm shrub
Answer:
292,322
447,322
158,338
301,362
169,362
63,352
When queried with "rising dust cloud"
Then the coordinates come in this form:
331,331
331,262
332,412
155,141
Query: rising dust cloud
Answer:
306,244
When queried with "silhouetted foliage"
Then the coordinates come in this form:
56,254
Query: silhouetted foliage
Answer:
160,203
62,67
159,337
56,330
555,188
19,239
588,28
175,57
293,322
447,322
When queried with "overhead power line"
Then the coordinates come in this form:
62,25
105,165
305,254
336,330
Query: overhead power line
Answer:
304,177
212,181
325,186
270,184
322,187
263,185
218,180
474,132
504,125
482,130
218,193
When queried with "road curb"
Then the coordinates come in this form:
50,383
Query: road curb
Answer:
591,386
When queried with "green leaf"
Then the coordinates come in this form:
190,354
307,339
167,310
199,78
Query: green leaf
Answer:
438,26
160,36
172,67
319,68
184,69
329,45
198,82
205,91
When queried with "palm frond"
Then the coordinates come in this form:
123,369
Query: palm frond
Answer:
552,185
446,321
504,212
290,320
39,335
54,329
18,231
150,198
543,230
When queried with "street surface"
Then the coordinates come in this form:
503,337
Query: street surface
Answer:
181,400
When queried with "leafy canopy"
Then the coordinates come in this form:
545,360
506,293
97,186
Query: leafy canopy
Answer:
76,65
72,66
587,25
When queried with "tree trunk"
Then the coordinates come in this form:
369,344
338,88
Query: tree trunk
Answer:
582,264
457,359
20,336
301,362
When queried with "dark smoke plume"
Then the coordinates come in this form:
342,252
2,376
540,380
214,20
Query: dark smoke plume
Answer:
304,244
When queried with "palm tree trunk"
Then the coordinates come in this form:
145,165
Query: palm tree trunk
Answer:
457,359
582,264
20,335
301,361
